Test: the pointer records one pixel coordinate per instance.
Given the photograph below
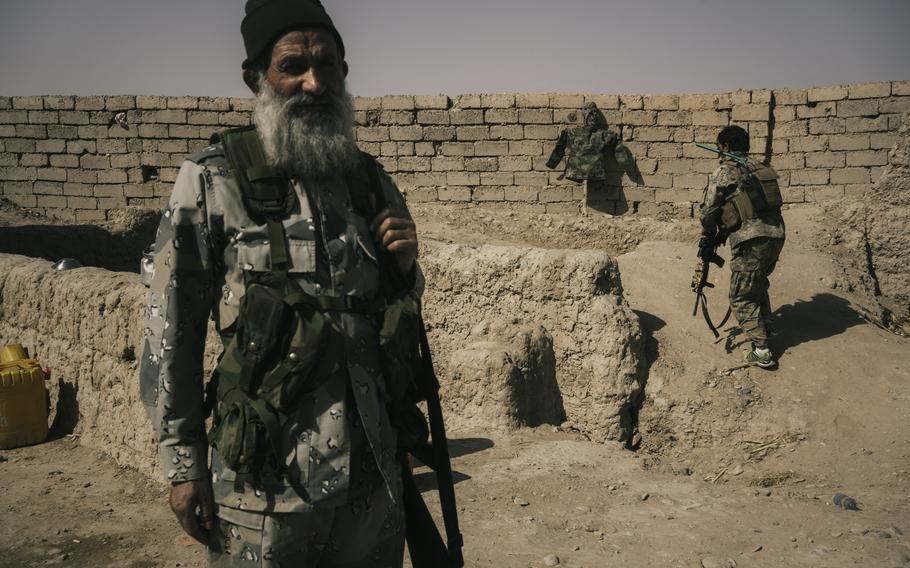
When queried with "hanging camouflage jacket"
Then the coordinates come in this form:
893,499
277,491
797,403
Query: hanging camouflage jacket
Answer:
207,246
589,149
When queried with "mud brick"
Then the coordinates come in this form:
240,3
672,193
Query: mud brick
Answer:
652,134
203,117
31,131
64,161
414,164
809,177
424,149
832,93
491,148
463,178
119,102
677,195
497,100
882,140
214,103
507,132
130,160
639,117
8,159
20,174
112,146
468,101
372,134
631,102
466,117
895,105
48,188
16,187
242,104
13,116
489,193
151,103
816,110
532,179
879,124
826,193
697,101
827,126
28,103
457,149
454,193
439,133
56,201
525,148
432,102
567,101
447,164
396,117
172,116
515,163
497,178
152,131
405,133
33,160
89,103
791,97
535,116
661,102
867,158
481,164
553,194
186,103
470,133
433,117
788,162
850,175
710,118
405,148
603,102
541,132
868,90
900,88
81,202
657,180
234,119
397,102
367,103
532,100
865,107
501,116
825,160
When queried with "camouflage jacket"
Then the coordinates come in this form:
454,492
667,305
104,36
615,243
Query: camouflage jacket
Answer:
724,179
206,244
586,150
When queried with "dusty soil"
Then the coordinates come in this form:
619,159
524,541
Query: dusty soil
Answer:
735,466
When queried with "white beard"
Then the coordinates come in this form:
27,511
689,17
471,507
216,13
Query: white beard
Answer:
307,141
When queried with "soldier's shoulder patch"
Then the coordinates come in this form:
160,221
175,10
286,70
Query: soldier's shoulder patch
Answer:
206,153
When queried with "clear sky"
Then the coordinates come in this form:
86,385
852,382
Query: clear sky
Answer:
193,47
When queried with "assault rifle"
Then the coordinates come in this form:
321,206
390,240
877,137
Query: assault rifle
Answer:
707,254
738,159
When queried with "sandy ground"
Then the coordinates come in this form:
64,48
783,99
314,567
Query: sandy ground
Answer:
737,467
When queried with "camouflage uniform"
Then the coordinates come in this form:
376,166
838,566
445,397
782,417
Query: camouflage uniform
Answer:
755,248
340,449
586,148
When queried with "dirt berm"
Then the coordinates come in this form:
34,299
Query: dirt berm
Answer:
521,336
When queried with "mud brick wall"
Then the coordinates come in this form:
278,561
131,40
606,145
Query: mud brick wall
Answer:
60,155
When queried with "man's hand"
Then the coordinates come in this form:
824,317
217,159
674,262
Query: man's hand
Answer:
396,233
185,498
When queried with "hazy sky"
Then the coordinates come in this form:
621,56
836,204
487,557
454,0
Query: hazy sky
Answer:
193,47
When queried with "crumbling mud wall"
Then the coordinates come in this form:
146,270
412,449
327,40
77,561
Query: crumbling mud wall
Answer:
522,337
68,157
547,331
870,241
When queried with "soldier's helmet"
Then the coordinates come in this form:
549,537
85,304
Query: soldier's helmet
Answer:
593,116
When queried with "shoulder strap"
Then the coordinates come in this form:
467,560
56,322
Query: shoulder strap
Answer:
267,192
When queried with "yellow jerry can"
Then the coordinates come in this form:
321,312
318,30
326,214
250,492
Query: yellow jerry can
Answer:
23,399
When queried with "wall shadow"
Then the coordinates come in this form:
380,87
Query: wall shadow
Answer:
608,195
66,412
629,414
117,249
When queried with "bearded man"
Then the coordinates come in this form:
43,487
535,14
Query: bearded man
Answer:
281,232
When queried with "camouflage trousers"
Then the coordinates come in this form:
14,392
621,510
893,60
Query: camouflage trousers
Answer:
367,532
753,261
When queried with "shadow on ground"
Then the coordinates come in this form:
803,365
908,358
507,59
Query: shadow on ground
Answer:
821,317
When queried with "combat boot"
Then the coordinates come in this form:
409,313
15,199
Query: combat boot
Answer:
759,356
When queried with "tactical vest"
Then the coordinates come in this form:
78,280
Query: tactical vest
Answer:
756,194
269,357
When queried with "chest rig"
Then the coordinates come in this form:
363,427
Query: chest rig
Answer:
755,195
270,356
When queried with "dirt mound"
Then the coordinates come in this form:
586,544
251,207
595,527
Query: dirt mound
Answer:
869,239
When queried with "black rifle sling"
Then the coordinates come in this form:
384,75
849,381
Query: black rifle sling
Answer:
439,451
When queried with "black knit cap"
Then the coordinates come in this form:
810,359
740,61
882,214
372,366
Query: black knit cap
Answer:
266,19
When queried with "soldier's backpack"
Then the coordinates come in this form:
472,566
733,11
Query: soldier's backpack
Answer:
756,195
